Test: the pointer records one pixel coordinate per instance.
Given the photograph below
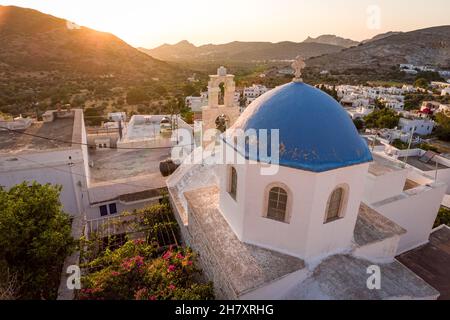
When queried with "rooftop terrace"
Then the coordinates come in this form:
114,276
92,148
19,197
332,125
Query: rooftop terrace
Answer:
22,141
247,266
429,166
381,166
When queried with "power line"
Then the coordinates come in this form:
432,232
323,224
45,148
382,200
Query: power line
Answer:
91,145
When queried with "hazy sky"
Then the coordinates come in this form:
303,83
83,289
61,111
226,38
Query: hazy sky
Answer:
149,23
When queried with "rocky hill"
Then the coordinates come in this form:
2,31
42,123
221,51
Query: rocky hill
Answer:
333,40
429,46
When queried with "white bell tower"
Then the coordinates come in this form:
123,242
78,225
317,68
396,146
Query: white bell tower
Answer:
229,110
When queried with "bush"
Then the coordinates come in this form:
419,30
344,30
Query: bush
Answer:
443,217
132,273
380,119
399,144
35,238
359,124
443,127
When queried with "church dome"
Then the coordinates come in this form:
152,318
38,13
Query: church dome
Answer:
316,133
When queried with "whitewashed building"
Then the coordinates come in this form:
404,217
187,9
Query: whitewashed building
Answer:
53,151
253,92
310,228
420,126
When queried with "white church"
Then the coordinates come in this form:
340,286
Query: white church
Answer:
328,224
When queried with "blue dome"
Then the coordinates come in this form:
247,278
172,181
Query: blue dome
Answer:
316,133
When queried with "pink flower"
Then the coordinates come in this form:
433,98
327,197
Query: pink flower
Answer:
167,255
152,298
172,287
115,273
180,256
171,268
138,241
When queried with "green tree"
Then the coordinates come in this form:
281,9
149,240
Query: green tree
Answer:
380,119
443,217
35,238
359,123
443,126
137,96
422,83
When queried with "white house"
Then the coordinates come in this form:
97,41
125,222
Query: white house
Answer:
420,126
196,103
59,158
117,116
253,92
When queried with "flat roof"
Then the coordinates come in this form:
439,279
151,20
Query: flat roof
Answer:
115,164
381,166
430,166
61,129
247,266
344,277
432,261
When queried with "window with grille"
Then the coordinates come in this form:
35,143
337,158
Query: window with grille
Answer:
277,204
334,205
233,183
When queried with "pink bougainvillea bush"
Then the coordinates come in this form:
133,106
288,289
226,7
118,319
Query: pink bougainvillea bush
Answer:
133,273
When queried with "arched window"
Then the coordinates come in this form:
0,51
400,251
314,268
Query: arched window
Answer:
277,206
335,204
233,183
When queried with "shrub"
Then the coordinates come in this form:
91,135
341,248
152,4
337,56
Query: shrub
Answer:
443,217
35,238
132,273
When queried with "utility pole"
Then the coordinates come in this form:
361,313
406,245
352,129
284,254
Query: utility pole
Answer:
409,145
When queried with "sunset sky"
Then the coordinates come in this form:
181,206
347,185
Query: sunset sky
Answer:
149,23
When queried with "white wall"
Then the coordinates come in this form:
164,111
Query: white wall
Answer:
93,211
384,186
416,212
305,236
50,167
379,252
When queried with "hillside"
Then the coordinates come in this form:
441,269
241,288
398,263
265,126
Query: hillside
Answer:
382,36
429,46
240,51
332,40
32,40
45,60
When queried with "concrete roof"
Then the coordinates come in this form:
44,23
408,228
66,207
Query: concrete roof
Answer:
113,164
344,277
432,261
247,266
381,166
373,227
65,129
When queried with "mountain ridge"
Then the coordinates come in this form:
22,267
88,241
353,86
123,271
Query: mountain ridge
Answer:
429,46
240,51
